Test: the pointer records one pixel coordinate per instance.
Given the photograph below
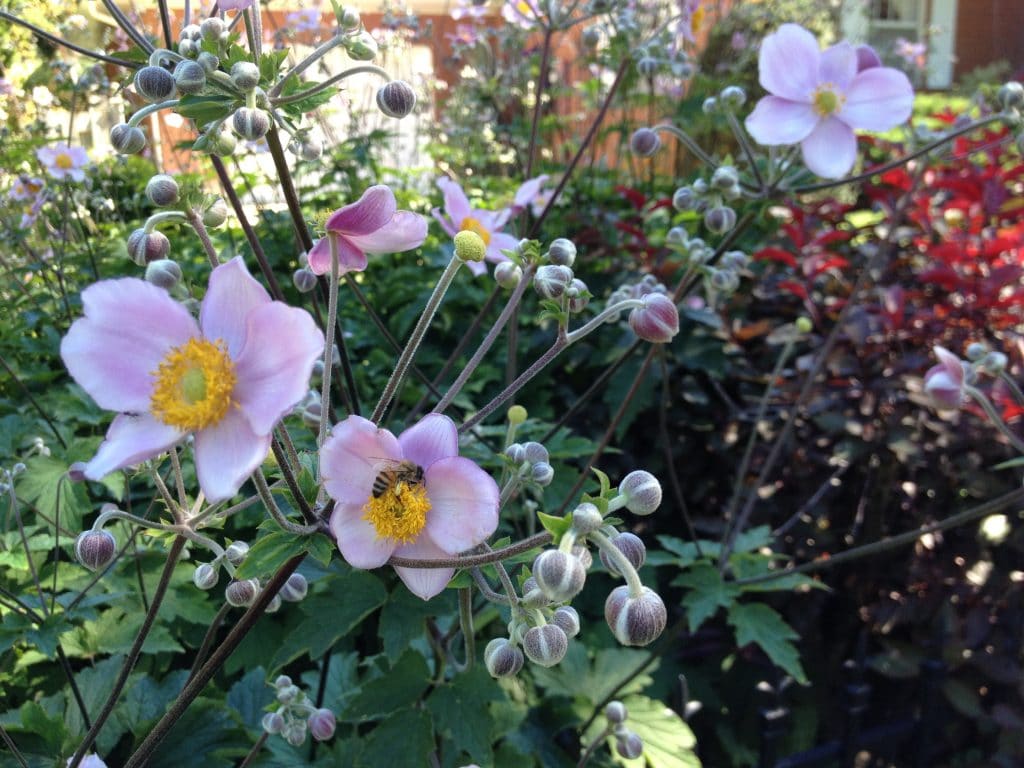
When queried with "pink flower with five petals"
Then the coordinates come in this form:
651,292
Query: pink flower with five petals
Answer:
819,97
411,496
372,224
227,379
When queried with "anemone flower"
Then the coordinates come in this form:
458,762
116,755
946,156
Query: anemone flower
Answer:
818,98
226,380
945,382
25,188
372,224
62,161
411,496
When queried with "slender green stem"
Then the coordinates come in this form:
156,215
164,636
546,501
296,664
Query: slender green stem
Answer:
542,81
254,752
594,744
208,638
466,623
596,322
60,41
12,747
485,588
1013,386
275,512
149,109
744,142
621,562
332,317
307,62
997,421
468,561
364,69
16,509
688,142
196,220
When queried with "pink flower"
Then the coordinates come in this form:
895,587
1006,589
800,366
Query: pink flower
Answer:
25,188
475,11
234,5
818,98
945,381
227,379
62,161
411,496
372,224
522,13
914,54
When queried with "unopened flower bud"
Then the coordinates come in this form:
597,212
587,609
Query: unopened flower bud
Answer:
733,96
241,593
144,247
677,236
709,106
551,280
533,595
396,99
306,146
616,712
321,724
236,552
304,279
76,472
720,219
516,453
274,605
579,295
994,362
311,412
154,83
534,452
586,518
361,47
724,177
635,620
95,549
273,722
348,18
1011,95
502,658
642,491
245,75
294,589
507,274
127,139
295,733
629,545
647,66
469,246
944,382
545,645
684,199
629,745
562,251
189,77
205,576
286,694
164,273
581,553
188,48
222,143
542,473
559,575
567,619
216,213
975,351
723,280
191,32
162,190
211,29
735,260
208,61
282,681
517,415
644,142
251,124
657,320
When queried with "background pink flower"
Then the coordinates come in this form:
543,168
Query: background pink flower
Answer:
819,97
453,508
62,161
227,379
372,224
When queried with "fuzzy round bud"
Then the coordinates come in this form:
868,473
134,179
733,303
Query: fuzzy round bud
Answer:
533,595
724,280
162,190
295,588
236,552
205,576
241,593
507,274
657,321
250,124
274,605
321,724
684,199
304,279
735,260
76,472
647,66
295,733
348,18
208,61
560,576
144,247
720,219
273,722
725,177
189,77
211,29
567,619
709,106
677,236
644,142
188,48
975,351
502,658
469,246
581,553
127,139
629,745
562,251
733,96
629,545
361,47
191,32
306,146
545,645
164,273
216,213
245,75
282,681
586,518
517,415
222,143
616,712
516,453
534,452
95,549
994,362
1010,95
286,694
154,83
396,99
551,280
635,620
311,412
579,295
542,473
642,491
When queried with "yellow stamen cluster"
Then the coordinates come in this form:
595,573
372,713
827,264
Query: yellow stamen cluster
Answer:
469,224
826,101
697,20
399,513
194,384
63,160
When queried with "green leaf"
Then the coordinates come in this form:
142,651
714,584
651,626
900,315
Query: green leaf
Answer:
145,699
602,478
461,712
205,109
668,741
95,684
707,593
404,682
581,678
249,696
204,729
402,619
1010,463
405,738
270,64
35,720
757,623
44,485
556,526
272,551
311,102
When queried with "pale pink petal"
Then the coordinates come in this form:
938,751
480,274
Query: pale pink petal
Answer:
350,257
227,454
131,439
128,328
838,65
779,121
424,582
445,222
878,99
477,268
46,155
951,363
527,191
456,204
463,504
404,232
492,221
232,295
274,366
788,63
433,437
831,149
352,456
368,214
867,58
500,242
319,257
357,538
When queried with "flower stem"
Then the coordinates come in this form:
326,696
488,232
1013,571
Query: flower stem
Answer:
364,69
306,63
196,220
275,512
621,562
60,41
149,109
994,417
468,561
332,319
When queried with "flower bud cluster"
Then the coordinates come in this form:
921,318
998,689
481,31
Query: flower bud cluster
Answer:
655,318
296,715
530,462
953,380
627,743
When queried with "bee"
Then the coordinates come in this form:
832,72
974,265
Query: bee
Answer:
394,474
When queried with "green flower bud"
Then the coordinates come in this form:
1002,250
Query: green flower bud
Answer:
162,190
469,246
127,139
396,99
154,83
189,77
